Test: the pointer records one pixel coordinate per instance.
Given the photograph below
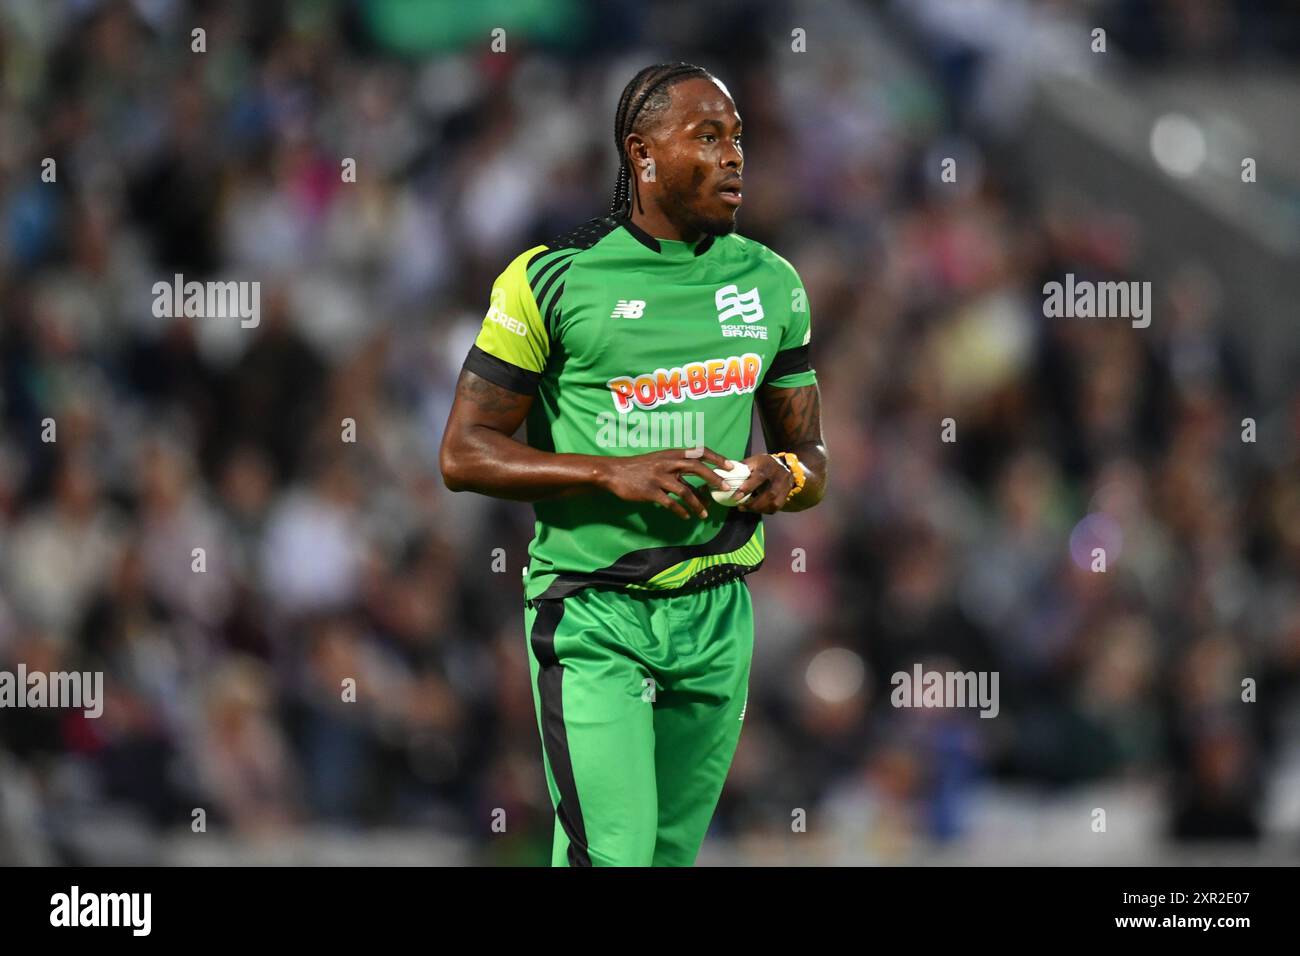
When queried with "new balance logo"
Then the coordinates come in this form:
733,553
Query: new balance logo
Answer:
733,304
628,309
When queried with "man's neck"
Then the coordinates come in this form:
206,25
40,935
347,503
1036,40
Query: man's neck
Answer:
656,224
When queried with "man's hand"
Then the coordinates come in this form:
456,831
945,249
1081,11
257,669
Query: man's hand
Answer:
658,477
769,484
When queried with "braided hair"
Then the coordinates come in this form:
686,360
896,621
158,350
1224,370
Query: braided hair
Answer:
645,94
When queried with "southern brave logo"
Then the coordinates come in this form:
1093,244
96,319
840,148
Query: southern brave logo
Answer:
734,304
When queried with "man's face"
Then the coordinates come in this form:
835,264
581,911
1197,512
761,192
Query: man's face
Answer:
696,152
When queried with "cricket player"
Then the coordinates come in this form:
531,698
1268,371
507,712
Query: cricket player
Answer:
634,348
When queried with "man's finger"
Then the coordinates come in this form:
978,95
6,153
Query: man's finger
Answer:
696,497
757,477
705,472
759,498
709,455
666,500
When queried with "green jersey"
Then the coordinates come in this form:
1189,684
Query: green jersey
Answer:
631,344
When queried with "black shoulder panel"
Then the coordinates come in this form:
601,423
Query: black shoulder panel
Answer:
584,236
548,282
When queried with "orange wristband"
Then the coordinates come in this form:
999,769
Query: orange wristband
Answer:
790,461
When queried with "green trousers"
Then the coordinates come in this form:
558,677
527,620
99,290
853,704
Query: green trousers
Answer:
640,701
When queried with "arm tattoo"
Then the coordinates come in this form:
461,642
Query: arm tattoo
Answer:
487,397
791,416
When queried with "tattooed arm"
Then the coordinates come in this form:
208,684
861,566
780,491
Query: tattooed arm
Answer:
792,421
479,453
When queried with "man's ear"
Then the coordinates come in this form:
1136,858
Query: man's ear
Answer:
638,150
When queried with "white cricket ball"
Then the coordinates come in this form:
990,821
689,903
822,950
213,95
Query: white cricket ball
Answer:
734,478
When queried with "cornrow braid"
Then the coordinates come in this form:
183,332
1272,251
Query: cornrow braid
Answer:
638,91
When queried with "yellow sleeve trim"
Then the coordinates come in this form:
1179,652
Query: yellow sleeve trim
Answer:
513,330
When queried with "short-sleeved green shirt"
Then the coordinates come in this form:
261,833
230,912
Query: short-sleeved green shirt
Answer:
631,344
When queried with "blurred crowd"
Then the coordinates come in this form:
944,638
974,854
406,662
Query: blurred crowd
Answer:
234,523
